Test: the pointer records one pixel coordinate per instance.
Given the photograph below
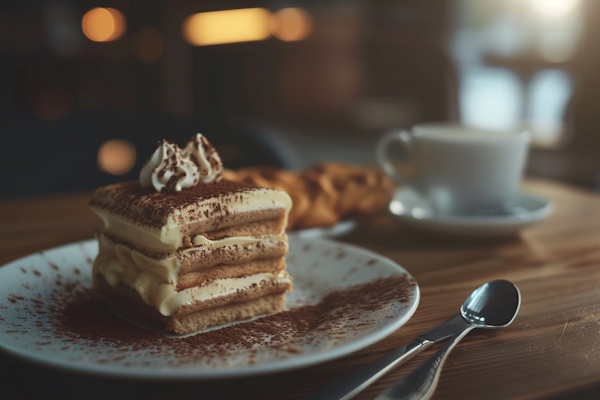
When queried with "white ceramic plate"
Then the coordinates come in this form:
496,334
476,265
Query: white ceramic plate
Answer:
528,209
33,286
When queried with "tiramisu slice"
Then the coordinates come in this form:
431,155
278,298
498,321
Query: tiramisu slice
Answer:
184,249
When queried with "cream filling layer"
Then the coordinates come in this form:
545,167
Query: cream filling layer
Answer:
119,263
170,236
167,299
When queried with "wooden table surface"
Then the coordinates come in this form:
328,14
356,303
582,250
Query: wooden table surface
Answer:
552,350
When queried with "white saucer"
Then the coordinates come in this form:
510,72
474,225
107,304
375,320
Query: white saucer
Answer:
409,207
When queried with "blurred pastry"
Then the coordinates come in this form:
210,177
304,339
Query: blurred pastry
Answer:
324,194
323,199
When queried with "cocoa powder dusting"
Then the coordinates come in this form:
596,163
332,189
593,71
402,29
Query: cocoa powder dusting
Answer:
77,314
126,198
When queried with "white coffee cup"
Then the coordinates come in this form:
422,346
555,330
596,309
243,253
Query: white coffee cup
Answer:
460,170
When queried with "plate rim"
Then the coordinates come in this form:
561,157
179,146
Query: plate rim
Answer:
290,364
337,230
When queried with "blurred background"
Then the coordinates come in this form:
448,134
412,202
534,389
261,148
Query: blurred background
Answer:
88,87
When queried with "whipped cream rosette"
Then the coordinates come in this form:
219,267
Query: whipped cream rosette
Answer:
172,169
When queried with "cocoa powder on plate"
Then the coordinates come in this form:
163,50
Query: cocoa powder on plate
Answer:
79,315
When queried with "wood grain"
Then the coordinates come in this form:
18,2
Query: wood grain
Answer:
552,350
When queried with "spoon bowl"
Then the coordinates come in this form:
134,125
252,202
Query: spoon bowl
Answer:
493,305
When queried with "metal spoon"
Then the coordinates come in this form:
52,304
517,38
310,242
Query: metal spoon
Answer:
491,306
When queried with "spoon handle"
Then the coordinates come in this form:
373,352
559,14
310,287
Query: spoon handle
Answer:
348,386
421,383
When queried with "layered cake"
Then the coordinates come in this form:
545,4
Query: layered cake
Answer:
184,249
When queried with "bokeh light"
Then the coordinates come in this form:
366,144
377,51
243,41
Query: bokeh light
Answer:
554,8
116,156
103,24
148,45
291,24
231,26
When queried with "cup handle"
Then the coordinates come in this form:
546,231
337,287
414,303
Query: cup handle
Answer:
404,139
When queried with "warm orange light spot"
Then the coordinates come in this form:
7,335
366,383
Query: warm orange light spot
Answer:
231,26
148,45
103,24
116,156
291,24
